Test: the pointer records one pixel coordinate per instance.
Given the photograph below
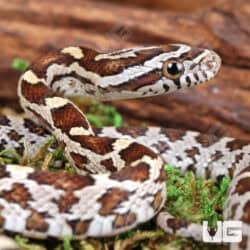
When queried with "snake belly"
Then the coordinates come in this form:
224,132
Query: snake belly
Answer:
121,180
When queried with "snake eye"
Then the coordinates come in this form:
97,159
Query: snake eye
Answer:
173,69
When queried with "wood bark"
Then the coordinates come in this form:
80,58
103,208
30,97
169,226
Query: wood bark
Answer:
30,28
184,5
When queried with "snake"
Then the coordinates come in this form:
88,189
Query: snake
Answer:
120,181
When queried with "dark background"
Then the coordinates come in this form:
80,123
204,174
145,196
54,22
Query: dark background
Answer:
30,28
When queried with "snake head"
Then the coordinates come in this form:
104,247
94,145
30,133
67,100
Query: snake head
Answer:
189,66
155,70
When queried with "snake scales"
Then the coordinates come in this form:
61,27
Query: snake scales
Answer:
121,179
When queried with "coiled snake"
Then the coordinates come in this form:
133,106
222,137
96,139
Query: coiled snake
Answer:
121,179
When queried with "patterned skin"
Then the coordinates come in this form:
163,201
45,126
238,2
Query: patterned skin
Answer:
120,181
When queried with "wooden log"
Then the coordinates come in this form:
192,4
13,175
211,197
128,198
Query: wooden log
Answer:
184,5
29,29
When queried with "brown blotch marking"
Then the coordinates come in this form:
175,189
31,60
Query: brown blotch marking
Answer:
20,149
135,152
4,121
137,173
35,93
123,220
245,170
236,144
206,140
239,157
79,159
3,143
233,210
17,194
246,213
173,134
66,201
108,164
161,146
192,152
217,155
191,167
111,200
99,145
34,128
208,174
105,67
231,170
62,180
41,65
36,222
157,200
68,117
162,177
242,186
3,172
14,136
176,224
133,132
79,227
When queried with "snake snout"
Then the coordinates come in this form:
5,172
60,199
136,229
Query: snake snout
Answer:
211,63
201,65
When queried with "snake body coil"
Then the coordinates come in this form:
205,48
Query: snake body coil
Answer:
121,179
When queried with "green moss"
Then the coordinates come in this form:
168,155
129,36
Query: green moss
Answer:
194,199
9,156
101,115
20,64
67,243
24,244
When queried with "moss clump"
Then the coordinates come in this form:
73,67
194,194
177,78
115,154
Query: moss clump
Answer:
194,199
20,64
